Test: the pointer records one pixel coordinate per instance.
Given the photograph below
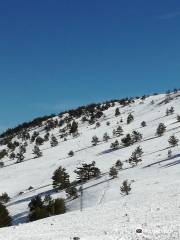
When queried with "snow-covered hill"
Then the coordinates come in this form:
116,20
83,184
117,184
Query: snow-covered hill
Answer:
153,204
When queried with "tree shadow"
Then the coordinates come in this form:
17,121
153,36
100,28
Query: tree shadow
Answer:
172,163
164,160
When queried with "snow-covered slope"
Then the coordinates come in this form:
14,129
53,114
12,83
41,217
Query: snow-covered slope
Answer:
153,204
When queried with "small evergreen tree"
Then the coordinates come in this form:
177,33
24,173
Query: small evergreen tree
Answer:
125,188
178,118
72,192
138,151
37,152
39,141
143,124
173,141
160,130
12,156
95,140
74,128
106,137
87,171
115,145
54,141
4,198
60,179
119,165
117,112
119,131
71,154
113,172
136,136
5,219
130,118
127,141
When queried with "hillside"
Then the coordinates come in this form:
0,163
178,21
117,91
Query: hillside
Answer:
153,203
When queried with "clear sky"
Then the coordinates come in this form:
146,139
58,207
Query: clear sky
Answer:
58,54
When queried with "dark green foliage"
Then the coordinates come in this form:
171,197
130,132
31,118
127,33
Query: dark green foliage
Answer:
106,137
54,141
37,152
39,141
117,112
138,151
130,118
46,137
173,141
71,154
4,198
136,157
119,131
143,124
160,130
95,140
178,118
72,192
136,136
1,164
5,219
87,171
39,209
34,136
119,165
115,145
127,140
3,153
60,179
73,128
125,188
113,172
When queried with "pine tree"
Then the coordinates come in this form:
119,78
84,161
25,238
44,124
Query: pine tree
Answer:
136,136
119,165
39,141
143,124
95,140
115,145
127,141
12,156
117,112
72,192
178,118
119,131
73,128
37,152
173,141
171,110
130,118
138,151
134,159
106,137
71,154
161,129
54,141
87,171
5,219
4,198
113,172
60,179
125,188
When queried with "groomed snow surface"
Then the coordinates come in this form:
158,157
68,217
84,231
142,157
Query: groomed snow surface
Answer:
153,204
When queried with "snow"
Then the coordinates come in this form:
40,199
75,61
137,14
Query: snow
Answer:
153,204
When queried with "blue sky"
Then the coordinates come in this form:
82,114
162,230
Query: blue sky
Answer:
56,54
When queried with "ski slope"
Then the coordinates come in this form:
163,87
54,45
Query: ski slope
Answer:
153,204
